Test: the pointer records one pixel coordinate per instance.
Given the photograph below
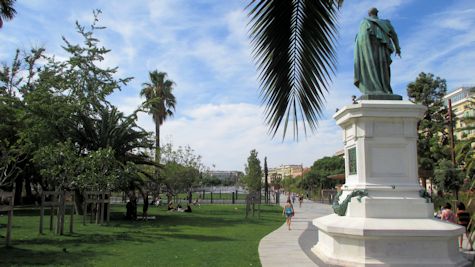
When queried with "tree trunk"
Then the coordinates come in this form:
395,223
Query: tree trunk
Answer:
424,182
18,190
157,141
190,196
28,191
157,148
145,205
79,201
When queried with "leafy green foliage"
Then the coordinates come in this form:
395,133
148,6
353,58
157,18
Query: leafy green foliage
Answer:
429,91
62,131
293,45
181,170
447,177
291,184
64,169
252,178
317,177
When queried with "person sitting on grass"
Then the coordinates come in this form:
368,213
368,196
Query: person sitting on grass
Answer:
196,202
170,206
188,208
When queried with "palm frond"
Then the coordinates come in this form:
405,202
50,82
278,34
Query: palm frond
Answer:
6,9
294,49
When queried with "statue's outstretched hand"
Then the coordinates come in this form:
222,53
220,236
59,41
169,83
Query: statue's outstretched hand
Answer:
398,53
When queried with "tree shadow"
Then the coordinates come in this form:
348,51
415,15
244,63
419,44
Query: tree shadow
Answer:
205,238
13,256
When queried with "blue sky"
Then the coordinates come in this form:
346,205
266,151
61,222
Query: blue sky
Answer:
203,46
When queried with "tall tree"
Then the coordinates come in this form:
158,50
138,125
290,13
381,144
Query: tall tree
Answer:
294,48
253,176
159,101
266,181
7,12
429,91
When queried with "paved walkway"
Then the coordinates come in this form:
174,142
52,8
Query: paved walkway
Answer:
293,248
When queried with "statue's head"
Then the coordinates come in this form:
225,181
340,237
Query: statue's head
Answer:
373,11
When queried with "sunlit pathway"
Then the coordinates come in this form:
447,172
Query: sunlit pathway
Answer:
292,248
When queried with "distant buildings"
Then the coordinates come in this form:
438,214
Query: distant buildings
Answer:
226,176
287,171
462,106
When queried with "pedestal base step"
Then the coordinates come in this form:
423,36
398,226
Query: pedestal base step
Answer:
347,241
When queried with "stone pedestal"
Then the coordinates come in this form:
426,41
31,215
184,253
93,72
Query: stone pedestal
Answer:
393,225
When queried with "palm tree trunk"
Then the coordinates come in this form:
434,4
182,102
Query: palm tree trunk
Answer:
157,141
157,147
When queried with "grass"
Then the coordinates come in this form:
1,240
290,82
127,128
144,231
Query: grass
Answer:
212,235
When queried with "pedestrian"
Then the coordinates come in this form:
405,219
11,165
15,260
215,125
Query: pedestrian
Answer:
288,211
300,200
293,197
447,214
463,219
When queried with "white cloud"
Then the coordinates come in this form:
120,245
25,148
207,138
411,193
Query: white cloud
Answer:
224,134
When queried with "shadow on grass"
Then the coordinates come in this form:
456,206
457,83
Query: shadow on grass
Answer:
75,239
205,238
20,257
180,219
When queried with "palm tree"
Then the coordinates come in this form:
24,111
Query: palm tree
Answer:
294,49
7,12
159,101
109,128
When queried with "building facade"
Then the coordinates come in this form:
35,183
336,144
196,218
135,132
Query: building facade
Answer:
463,106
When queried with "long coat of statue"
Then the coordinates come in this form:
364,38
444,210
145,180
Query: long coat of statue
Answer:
375,43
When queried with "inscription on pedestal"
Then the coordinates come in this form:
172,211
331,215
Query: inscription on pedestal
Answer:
352,160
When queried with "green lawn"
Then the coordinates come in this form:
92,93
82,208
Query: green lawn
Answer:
213,235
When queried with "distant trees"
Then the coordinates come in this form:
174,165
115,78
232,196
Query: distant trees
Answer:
181,171
317,177
252,178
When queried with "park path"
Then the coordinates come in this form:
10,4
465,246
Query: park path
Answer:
293,248
283,248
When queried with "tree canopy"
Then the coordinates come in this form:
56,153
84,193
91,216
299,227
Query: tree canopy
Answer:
252,178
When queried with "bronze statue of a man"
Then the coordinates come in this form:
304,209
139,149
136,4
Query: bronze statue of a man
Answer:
375,42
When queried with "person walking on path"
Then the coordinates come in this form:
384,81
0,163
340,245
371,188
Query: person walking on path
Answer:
463,219
300,200
288,211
